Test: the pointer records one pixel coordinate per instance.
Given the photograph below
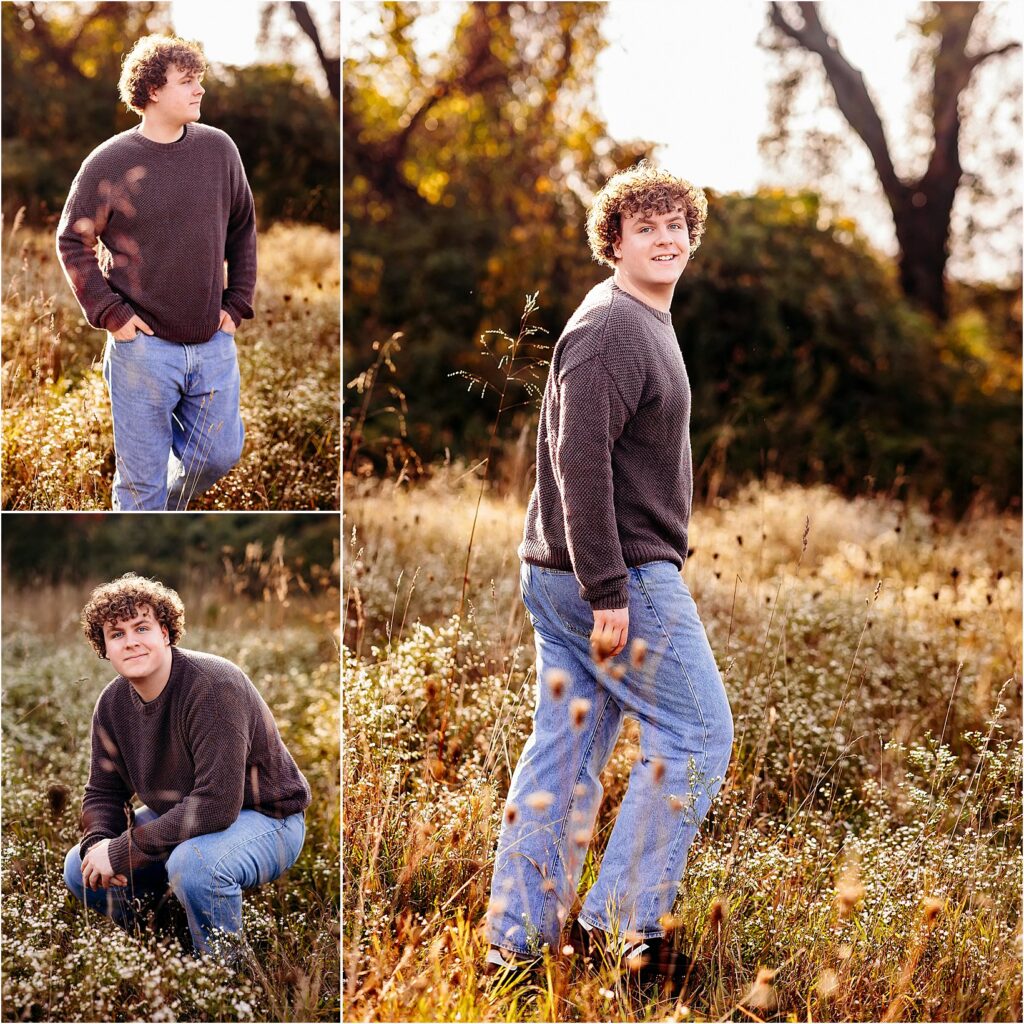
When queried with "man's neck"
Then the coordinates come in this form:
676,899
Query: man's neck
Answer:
153,685
160,131
659,298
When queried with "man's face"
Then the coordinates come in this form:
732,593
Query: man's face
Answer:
178,99
653,248
137,647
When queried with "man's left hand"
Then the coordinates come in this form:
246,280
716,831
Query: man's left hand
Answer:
226,323
96,870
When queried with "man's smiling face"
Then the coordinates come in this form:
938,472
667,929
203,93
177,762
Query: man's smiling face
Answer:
653,248
138,647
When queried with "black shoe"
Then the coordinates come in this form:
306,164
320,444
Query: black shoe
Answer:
647,960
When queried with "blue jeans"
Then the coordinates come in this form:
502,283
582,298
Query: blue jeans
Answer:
675,692
207,874
177,424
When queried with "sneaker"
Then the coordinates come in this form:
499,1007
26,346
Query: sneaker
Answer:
645,959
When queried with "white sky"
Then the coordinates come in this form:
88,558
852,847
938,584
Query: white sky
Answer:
690,76
228,30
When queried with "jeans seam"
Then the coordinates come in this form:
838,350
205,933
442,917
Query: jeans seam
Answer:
548,896
245,842
648,904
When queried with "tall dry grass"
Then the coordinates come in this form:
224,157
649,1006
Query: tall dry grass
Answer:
57,433
862,861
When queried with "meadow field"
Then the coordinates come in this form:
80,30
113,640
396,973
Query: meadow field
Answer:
62,963
862,861
57,433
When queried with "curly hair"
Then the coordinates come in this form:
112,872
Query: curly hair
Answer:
122,598
642,189
145,67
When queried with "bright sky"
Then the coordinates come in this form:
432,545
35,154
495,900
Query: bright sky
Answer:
228,30
690,76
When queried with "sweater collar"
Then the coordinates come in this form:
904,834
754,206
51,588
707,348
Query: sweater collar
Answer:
664,317
177,146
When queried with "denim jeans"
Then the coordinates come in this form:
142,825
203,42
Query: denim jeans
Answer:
177,425
676,694
207,874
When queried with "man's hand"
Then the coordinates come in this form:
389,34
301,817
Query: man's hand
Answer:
96,870
227,324
132,328
611,629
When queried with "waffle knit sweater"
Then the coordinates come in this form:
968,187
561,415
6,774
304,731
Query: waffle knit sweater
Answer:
614,470
197,754
166,215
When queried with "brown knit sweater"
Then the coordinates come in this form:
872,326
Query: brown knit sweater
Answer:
614,470
167,216
200,752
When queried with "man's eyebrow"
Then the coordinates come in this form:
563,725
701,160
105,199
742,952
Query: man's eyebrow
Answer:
145,617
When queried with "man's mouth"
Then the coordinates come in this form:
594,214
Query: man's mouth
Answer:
664,257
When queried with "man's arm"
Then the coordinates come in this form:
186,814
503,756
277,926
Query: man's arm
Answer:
591,416
240,247
219,745
82,223
106,806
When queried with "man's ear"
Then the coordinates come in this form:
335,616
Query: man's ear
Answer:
617,247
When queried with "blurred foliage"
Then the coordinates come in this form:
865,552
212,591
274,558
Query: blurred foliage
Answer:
74,547
61,63
466,181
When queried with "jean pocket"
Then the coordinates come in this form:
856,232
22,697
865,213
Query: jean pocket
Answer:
562,591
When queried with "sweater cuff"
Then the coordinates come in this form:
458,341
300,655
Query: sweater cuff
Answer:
613,601
238,308
118,851
116,317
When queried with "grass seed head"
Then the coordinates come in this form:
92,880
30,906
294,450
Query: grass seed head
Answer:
557,681
540,800
578,709
638,652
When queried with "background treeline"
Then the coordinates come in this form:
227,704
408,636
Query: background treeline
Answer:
466,189
253,551
61,64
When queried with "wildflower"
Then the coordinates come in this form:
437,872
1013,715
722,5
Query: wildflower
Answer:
578,709
657,770
849,891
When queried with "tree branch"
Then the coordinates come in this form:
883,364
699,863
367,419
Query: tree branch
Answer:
849,89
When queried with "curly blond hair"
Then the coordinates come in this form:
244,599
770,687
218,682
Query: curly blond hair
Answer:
122,598
645,189
145,67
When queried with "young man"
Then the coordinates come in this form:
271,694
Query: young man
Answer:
604,542
151,217
191,737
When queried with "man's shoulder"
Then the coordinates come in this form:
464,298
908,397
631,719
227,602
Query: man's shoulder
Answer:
114,150
213,138
200,665
598,328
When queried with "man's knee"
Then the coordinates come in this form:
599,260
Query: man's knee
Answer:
222,458
188,872
73,873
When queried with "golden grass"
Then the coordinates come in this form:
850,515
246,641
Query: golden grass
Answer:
862,861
